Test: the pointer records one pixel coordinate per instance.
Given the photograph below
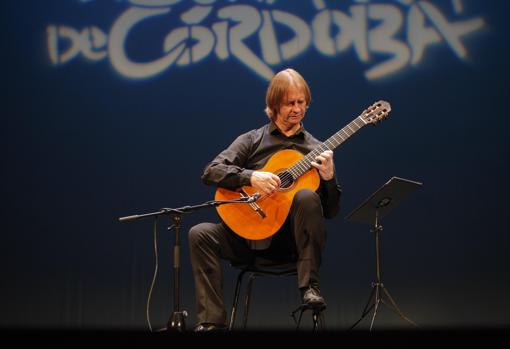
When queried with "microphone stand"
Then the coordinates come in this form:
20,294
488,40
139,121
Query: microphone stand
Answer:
177,319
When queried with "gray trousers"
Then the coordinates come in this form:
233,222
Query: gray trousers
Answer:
301,239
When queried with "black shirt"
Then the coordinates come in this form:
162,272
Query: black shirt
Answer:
233,167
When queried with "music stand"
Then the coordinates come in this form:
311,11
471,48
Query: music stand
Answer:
377,206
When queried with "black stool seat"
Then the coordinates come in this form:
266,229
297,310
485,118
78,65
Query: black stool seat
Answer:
264,266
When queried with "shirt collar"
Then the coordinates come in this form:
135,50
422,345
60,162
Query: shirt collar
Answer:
273,129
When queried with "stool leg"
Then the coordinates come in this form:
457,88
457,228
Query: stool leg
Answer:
301,309
300,317
248,300
236,300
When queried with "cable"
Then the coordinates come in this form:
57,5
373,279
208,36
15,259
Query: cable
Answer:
155,232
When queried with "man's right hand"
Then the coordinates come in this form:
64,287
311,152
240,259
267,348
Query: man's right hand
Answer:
265,182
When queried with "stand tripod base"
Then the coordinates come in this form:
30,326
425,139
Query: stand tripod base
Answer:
376,298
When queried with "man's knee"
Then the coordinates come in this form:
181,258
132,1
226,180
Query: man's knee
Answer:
307,199
198,233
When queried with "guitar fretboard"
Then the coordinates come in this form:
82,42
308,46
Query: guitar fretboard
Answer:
331,143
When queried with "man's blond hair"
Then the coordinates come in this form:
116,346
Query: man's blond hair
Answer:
278,88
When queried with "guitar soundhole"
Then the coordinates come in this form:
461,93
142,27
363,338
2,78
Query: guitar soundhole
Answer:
286,179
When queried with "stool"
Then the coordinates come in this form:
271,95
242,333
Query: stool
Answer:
264,267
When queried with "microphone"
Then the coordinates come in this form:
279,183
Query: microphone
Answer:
253,198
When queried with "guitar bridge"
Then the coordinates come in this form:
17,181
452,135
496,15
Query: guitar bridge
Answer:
254,206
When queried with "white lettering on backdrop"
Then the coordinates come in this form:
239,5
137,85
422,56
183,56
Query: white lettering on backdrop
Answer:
387,36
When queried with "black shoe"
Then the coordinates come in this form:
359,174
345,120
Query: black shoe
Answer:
209,327
312,297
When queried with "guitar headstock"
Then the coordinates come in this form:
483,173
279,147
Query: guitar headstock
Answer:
376,112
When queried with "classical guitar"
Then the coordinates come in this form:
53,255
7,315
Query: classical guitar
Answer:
264,217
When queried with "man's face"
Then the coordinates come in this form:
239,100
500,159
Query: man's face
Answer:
292,109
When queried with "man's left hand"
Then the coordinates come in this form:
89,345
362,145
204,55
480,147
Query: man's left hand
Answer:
324,163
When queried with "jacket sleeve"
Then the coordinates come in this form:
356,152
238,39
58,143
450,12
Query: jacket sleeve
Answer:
227,169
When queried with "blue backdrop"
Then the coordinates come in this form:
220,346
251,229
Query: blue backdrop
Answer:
112,108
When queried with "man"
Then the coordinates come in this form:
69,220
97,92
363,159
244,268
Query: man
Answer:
302,237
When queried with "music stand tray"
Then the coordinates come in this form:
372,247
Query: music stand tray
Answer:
377,206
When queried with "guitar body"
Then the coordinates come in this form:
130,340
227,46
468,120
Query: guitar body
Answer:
245,219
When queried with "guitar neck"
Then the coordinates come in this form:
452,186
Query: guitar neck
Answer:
331,143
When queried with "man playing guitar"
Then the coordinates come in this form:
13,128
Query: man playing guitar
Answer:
286,223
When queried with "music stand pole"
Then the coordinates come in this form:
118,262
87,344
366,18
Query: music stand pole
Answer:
378,284
383,200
